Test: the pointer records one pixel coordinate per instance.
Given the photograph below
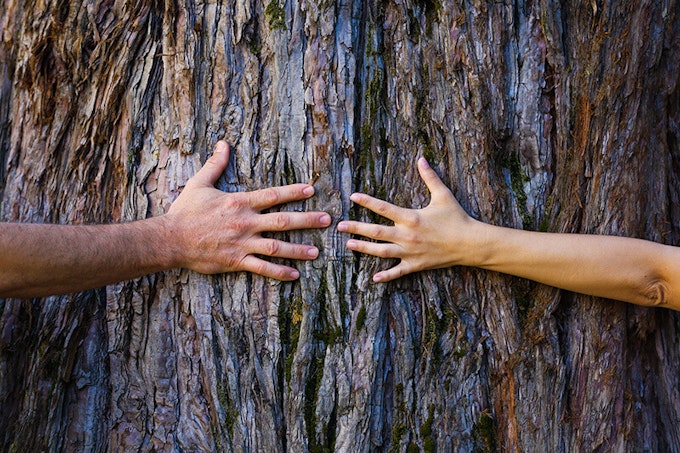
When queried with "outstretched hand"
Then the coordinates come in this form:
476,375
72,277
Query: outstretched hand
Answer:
221,232
439,235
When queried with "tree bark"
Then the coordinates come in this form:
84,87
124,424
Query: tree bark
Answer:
543,115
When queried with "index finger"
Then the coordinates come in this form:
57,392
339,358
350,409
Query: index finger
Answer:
272,196
385,209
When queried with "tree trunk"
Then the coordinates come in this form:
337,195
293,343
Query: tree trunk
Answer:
544,115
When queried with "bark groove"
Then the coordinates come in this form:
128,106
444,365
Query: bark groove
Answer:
540,114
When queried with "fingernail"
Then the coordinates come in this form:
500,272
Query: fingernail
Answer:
219,147
351,244
354,197
294,274
313,252
342,226
309,191
377,278
325,219
426,164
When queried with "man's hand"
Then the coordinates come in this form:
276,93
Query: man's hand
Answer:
221,232
206,230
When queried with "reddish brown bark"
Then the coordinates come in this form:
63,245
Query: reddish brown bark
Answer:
541,115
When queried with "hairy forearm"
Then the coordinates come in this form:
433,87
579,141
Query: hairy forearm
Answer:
631,270
39,260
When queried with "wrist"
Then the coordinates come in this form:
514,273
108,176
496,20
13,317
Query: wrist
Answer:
165,241
480,244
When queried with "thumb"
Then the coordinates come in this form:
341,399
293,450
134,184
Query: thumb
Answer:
435,185
214,166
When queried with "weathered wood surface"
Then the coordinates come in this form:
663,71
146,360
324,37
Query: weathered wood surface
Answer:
560,116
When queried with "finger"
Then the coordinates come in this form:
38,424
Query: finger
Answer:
434,184
272,196
381,207
394,273
282,249
259,266
287,221
375,249
369,230
214,166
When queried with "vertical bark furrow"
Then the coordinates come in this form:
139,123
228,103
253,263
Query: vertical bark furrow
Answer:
539,115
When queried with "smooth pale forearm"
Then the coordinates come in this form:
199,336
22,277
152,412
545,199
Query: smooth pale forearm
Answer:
39,259
627,269
442,234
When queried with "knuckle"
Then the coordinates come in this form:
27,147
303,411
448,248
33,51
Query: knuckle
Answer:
271,196
272,247
383,253
412,238
260,267
211,162
235,263
282,222
238,226
412,220
281,273
233,202
382,209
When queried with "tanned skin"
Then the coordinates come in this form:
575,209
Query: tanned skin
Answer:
205,230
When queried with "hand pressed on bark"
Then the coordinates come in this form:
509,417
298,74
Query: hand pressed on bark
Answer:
206,230
221,232
442,234
439,235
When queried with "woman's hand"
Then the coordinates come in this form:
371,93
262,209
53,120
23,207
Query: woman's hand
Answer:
439,235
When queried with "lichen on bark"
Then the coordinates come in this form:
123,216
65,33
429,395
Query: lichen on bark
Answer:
539,115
